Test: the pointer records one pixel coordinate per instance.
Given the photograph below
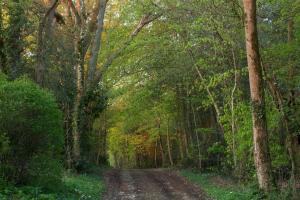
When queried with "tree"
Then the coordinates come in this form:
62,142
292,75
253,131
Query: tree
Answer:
15,39
260,133
94,76
45,27
2,48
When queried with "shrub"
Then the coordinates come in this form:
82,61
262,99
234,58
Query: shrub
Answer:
31,132
39,168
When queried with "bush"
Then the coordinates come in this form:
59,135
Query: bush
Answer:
31,133
74,187
39,168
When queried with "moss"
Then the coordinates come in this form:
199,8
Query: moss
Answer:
259,110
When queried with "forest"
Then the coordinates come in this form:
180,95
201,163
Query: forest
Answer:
121,97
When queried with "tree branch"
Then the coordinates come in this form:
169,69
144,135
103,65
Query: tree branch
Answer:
41,68
75,12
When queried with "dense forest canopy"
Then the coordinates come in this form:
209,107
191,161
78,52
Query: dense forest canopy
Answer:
205,84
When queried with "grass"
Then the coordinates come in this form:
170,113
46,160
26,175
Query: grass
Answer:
74,187
85,187
219,191
224,188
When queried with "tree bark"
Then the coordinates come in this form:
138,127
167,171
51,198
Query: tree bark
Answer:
155,154
233,125
168,144
197,138
97,42
76,109
14,39
260,134
43,33
292,134
80,57
67,128
180,144
2,47
79,67
163,157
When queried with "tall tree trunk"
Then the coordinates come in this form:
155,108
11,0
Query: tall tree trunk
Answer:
260,134
180,144
291,142
2,47
76,109
187,111
182,118
14,40
102,137
197,138
294,154
80,56
155,154
79,67
67,123
168,144
233,125
292,135
163,156
186,146
99,148
97,42
42,37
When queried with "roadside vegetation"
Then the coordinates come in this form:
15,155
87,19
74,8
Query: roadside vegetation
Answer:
221,187
72,187
31,132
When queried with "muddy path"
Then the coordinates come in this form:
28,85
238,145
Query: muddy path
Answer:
150,184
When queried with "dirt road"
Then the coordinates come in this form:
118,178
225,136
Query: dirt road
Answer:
150,184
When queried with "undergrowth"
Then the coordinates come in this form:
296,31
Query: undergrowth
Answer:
232,190
88,186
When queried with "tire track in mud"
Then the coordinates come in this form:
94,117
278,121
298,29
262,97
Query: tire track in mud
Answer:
150,184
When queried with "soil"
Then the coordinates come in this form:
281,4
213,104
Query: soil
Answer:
150,184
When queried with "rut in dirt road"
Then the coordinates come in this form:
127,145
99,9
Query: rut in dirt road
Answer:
150,184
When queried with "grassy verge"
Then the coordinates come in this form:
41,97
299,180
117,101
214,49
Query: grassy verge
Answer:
73,187
84,186
222,188
218,191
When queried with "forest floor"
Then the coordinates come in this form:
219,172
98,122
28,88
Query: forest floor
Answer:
220,187
150,184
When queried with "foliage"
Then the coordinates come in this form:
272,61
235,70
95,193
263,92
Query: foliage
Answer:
222,188
33,136
73,187
175,94
84,186
194,38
